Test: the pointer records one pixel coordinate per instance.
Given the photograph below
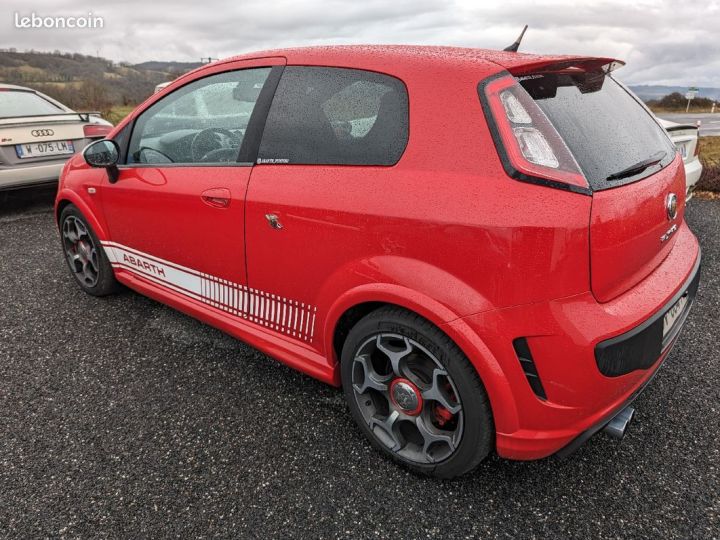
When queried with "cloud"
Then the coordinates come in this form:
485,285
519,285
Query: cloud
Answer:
663,42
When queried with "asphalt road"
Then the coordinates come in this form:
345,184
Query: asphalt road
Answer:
120,417
709,123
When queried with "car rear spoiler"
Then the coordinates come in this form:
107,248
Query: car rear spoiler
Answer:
577,63
681,127
16,121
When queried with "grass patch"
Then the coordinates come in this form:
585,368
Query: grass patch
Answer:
710,157
708,195
710,150
118,113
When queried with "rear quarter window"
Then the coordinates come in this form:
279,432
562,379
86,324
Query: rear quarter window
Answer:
18,103
336,116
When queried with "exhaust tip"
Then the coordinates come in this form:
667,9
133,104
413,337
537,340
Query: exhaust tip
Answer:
616,427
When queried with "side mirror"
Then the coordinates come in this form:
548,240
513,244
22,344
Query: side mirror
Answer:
104,153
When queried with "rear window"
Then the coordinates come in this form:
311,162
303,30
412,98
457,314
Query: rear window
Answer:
15,104
336,116
607,130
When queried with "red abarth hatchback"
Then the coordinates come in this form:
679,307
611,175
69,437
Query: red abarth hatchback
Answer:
486,250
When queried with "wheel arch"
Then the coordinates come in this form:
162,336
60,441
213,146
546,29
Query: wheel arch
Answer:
349,309
68,197
59,207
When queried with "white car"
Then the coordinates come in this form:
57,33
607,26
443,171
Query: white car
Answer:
161,86
685,138
39,134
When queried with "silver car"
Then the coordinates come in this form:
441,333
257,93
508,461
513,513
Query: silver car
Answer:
39,134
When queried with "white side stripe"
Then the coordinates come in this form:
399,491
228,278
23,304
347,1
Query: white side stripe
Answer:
271,310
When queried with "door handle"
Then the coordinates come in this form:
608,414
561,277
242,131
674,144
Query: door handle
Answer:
273,221
216,197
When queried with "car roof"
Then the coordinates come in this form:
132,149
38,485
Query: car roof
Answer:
349,55
409,52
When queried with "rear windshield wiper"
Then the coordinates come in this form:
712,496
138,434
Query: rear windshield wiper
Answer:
639,167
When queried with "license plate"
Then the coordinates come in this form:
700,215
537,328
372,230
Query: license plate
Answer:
673,314
53,148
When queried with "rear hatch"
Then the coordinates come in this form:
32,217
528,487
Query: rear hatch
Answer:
635,175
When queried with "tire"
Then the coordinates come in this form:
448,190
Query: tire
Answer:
426,378
84,254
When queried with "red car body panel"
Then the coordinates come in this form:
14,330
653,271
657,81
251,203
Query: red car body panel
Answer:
629,228
569,329
161,200
444,233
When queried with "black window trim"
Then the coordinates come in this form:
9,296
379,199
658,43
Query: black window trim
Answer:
255,127
250,146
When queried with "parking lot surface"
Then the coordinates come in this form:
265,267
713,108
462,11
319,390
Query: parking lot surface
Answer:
120,417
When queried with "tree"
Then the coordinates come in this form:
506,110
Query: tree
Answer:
94,96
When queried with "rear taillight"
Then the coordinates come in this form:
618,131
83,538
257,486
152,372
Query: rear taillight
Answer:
530,147
696,152
94,131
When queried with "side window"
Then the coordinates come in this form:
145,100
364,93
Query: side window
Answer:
336,116
202,122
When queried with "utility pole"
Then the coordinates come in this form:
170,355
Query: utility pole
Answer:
690,95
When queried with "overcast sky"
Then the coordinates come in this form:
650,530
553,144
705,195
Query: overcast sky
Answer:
663,42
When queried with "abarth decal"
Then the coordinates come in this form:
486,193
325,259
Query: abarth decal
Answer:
273,311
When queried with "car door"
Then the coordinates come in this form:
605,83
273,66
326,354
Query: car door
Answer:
325,159
176,212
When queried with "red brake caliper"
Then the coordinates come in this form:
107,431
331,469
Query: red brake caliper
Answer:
442,415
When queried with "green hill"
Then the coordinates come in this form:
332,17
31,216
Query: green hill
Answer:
87,82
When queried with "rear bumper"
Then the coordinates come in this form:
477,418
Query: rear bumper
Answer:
17,177
627,346
641,347
562,336
693,170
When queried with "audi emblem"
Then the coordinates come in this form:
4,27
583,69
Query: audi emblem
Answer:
42,132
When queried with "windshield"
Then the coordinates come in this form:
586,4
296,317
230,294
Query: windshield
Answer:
18,103
613,138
